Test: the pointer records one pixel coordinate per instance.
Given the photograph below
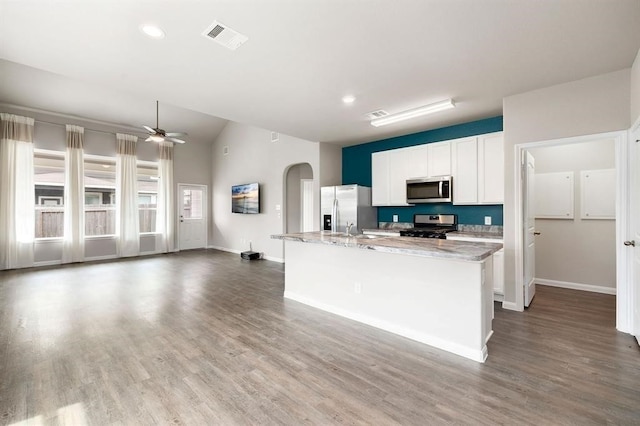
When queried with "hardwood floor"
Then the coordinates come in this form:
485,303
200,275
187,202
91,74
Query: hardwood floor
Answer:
202,337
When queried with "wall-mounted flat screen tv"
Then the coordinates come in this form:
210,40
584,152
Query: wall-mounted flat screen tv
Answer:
245,198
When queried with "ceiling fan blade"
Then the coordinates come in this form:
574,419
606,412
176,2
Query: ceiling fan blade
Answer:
175,134
149,129
176,140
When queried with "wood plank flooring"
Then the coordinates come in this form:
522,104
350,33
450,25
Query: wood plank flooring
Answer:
203,338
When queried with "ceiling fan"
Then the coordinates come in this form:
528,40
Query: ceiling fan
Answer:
159,135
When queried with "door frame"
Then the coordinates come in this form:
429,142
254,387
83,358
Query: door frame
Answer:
624,290
205,212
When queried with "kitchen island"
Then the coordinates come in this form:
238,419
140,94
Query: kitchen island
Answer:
437,292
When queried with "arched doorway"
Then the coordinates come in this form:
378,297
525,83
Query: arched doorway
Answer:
298,198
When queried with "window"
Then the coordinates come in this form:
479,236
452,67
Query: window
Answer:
99,195
49,193
147,195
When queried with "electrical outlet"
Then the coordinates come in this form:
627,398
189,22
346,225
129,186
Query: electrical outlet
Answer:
487,220
395,218
357,288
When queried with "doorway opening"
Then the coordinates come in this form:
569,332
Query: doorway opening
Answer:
578,213
298,198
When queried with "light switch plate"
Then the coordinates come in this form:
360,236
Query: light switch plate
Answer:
395,218
487,220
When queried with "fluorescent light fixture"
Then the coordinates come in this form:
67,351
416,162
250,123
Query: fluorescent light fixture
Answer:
152,31
412,113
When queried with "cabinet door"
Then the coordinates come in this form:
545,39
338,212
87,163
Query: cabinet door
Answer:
380,178
417,158
498,272
398,174
465,171
439,156
491,168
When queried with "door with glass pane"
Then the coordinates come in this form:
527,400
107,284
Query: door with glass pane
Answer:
192,204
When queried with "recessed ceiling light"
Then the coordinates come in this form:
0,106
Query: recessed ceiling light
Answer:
348,99
152,31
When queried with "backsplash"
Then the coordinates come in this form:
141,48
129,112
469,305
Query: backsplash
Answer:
490,229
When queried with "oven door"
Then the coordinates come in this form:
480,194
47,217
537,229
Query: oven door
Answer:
429,190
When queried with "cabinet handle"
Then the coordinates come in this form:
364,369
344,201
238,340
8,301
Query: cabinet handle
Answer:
631,243
536,233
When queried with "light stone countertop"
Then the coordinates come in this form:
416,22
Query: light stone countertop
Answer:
481,235
426,247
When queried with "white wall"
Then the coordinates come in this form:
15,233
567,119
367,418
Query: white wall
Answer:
576,251
594,105
253,157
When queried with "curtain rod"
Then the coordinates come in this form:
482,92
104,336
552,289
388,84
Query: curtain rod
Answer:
88,129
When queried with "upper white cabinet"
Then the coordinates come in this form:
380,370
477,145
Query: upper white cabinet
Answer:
380,178
439,159
465,171
478,169
417,161
389,173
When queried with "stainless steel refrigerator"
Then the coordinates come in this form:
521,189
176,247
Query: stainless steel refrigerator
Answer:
341,205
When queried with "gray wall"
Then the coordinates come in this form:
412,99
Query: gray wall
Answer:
331,163
253,157
191,165
576,251
594,105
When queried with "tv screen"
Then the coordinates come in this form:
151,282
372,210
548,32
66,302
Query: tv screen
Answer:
245,198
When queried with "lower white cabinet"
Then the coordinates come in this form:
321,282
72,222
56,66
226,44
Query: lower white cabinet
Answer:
498,262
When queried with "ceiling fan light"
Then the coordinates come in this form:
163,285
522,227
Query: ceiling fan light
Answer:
156,138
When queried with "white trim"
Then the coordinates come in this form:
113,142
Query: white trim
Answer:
476,355
105,257
576,286
47,263
622,211
273,259
624,257
498,297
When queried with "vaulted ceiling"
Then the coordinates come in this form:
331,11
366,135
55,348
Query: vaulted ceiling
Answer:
89,58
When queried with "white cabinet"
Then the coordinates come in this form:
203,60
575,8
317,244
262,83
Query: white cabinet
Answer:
417,161
380,178
491,168
465,171
439,159
478,169
388,177
498,272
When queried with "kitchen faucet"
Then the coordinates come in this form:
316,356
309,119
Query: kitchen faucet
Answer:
349,225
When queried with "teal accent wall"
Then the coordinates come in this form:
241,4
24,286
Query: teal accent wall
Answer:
356,169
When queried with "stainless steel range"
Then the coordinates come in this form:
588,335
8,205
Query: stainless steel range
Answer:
431,226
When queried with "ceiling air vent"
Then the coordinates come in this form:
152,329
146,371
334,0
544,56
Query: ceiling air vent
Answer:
377,114
225,36
275,136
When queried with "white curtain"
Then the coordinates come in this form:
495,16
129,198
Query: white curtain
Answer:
73,246
127,219
17,192
165,214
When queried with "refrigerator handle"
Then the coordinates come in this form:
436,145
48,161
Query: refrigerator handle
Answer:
334,215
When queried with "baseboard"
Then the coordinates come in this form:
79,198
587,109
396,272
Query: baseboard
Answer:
47,263
576,286
638,340
107,257
273,259
436,342
510,306
498,297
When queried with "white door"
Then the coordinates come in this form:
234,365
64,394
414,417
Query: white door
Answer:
192,206
634,242
529,229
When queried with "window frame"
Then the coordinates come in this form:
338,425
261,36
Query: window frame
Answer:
40,152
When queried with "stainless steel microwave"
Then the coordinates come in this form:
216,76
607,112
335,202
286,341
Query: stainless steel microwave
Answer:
429,190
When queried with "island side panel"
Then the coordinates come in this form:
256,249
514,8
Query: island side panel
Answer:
435,301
